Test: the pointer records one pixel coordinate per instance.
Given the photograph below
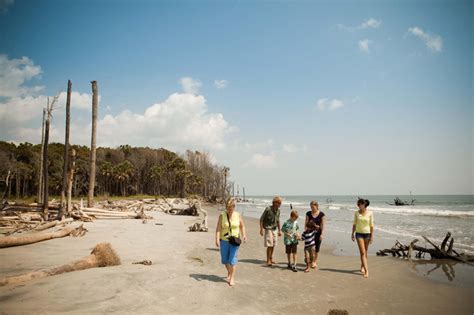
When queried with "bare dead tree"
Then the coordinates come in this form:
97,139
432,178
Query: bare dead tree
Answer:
70,179
40,183
95,99
66,151
49,110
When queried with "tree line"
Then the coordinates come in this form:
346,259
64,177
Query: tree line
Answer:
120,171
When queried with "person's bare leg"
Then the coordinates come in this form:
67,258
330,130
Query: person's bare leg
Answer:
269,255
307,259
232,274
366,246
227,266
272,249
314,265
289,259
363,256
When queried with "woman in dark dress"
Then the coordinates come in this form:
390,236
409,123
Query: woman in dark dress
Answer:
319,218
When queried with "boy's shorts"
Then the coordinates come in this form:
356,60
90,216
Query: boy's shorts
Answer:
270,238
291,249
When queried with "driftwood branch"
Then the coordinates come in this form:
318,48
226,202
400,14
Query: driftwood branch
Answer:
102,255
437,252
9,241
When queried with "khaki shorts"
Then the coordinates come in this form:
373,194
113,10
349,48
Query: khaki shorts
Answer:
270,238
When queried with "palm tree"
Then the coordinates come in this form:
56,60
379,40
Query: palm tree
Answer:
156,172
123,171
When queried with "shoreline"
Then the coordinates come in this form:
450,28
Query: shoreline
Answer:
187,264
338,244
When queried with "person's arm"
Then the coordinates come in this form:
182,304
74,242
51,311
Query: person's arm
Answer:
218,230
278,223
322,227
306,221
285,230
371,228
242,229
354,226
261,221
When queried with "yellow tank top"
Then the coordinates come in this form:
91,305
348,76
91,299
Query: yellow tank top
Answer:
363,222
235,221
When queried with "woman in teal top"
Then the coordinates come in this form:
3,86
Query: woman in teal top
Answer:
223,231
363,227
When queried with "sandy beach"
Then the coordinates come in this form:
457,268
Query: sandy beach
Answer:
187,277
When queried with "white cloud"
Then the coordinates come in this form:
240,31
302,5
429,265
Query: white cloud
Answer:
259,160
190,86
370,23
78,100
17,110
364,45
21,107
180,122
259,146
433,41
290,148
325,103
14,73
221,84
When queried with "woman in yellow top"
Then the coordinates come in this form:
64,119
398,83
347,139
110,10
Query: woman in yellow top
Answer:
223,232
363,228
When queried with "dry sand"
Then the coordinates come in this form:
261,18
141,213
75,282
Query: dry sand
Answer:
187,277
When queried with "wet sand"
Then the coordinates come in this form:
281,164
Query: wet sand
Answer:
187,277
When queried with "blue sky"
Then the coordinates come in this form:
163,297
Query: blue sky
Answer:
319,97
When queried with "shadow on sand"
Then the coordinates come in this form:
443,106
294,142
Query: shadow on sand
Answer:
355,272
263,263
213,249
202,277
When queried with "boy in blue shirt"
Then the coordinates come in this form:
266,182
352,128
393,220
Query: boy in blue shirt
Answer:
290,231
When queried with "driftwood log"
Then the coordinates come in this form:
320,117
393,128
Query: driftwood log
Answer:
9,241
437,252
102,255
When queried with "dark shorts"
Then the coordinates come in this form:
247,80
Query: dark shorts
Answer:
291,248
365,236
318,242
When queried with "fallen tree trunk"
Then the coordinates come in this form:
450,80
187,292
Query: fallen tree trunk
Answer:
53,224
437,252
9,241
102,255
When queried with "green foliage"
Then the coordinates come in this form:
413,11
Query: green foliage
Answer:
121,171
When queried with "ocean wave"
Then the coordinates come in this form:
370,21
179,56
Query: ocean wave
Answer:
424,211
410,210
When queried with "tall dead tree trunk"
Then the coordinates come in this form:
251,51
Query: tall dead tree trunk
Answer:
49,110
40,183
45,165
70,179
66,151
95,98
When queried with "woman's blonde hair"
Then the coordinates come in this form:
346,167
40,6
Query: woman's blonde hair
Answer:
314,203
230,203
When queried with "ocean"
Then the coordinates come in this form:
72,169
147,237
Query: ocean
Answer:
431,216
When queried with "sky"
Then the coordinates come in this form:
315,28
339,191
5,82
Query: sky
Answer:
296,97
